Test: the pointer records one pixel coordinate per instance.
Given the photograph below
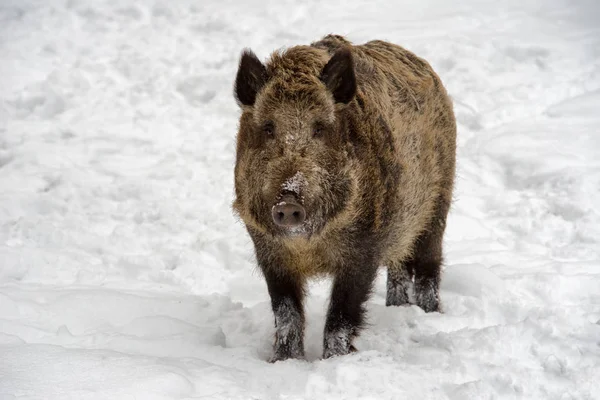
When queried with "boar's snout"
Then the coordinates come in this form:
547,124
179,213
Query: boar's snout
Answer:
288,212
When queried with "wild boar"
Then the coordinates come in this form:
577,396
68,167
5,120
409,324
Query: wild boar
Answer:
345,162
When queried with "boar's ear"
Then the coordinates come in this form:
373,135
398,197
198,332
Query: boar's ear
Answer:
251,77
338,76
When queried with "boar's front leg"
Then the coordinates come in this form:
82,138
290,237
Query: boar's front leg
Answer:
346,316
287,293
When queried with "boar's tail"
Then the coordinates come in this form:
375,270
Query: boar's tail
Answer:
331,43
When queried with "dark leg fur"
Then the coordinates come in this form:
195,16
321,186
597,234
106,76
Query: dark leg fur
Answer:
427,286
398,283
427,261
287,294
346,315
426,264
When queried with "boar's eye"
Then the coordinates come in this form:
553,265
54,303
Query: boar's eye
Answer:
318,129
269,128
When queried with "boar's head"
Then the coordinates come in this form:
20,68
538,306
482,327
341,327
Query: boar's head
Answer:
293,172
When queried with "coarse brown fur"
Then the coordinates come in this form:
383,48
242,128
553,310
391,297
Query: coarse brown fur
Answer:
371,161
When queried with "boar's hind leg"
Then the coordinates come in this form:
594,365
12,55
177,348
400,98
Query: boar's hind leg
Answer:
427,261
398,282
287,293
345,317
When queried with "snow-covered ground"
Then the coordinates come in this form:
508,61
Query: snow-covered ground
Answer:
124,275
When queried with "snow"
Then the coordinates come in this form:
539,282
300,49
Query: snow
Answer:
124,274
295,184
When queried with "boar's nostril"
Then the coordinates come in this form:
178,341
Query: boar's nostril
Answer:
288,213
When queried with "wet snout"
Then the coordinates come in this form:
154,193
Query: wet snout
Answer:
288,212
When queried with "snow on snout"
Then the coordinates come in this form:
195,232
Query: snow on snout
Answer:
295,184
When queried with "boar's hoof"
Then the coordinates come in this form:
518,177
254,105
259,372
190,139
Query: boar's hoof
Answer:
427,297
430,306
328,353
337,344
285,354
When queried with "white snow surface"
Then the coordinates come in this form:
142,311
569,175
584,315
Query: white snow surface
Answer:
124,274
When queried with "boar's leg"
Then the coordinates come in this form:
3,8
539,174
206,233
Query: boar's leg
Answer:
427,265
287,293
427,261
399,279
345,318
